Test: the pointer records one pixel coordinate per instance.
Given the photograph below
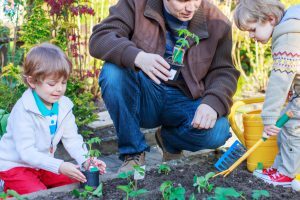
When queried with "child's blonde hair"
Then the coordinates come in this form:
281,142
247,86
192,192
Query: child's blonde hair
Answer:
46,60
252,11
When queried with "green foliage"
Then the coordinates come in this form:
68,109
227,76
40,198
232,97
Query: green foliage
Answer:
92,153
192,197
11,87
164,168
36,26
11,193
131,188
139,170
169,192
257,194
84,107
226,193
202,182
3,122
182,43
89,192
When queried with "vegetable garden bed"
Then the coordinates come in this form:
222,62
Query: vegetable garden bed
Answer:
245,185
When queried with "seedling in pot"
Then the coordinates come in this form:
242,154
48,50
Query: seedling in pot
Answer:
164,169
131,189
89,192
169,192
90,170
201,183
182,44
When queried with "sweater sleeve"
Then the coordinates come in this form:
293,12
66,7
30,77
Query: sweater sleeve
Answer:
281,78
222,77
25,140
72,141
110,40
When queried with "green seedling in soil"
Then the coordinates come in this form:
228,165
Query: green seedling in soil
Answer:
89,192
226,193
183,43
164,169
169,192
131,188
201,183
257,194
192,197
11,193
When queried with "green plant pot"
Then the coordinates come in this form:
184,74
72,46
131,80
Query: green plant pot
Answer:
92,178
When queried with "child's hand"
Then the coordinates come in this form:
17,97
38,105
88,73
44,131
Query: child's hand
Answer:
271,130
71,170
97,163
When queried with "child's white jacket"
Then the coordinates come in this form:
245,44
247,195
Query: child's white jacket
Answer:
27,141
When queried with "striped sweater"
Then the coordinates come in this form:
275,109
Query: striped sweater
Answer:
285,73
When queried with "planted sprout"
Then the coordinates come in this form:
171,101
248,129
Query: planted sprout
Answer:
164,169
201,183
169,192
89,192
131,188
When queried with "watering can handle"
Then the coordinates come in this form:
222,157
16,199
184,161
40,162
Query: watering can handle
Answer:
238,132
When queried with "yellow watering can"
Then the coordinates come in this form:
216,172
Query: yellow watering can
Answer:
253,130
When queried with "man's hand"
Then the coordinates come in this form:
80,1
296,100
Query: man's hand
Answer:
271,130
71,170
153,65
205,117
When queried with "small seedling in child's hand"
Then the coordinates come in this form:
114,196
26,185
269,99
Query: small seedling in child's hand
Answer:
257,194
164,168
202,182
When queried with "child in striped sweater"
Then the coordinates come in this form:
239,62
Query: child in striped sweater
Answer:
265,19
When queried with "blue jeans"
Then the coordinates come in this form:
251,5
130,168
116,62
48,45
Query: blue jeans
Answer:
133,100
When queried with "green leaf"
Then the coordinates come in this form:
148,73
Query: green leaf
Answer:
3,195
256,194
192,197
125,188
210,187
137,193
226,192
209,175
76,193
165,185
15,194
178,193
125,175
88,188
99,190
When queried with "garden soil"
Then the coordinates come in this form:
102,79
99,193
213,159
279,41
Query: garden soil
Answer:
182,173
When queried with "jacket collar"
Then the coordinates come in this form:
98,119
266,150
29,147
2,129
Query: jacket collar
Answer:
65,105
197,25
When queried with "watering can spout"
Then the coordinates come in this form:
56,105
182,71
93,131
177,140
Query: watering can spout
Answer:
238,132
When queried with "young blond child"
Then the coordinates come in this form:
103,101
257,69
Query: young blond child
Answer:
39,120
264,19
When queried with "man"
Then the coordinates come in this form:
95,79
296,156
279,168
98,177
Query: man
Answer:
134,41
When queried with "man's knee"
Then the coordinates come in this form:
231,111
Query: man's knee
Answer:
220,133
110,76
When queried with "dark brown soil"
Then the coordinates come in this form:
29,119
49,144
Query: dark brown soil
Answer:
240,179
